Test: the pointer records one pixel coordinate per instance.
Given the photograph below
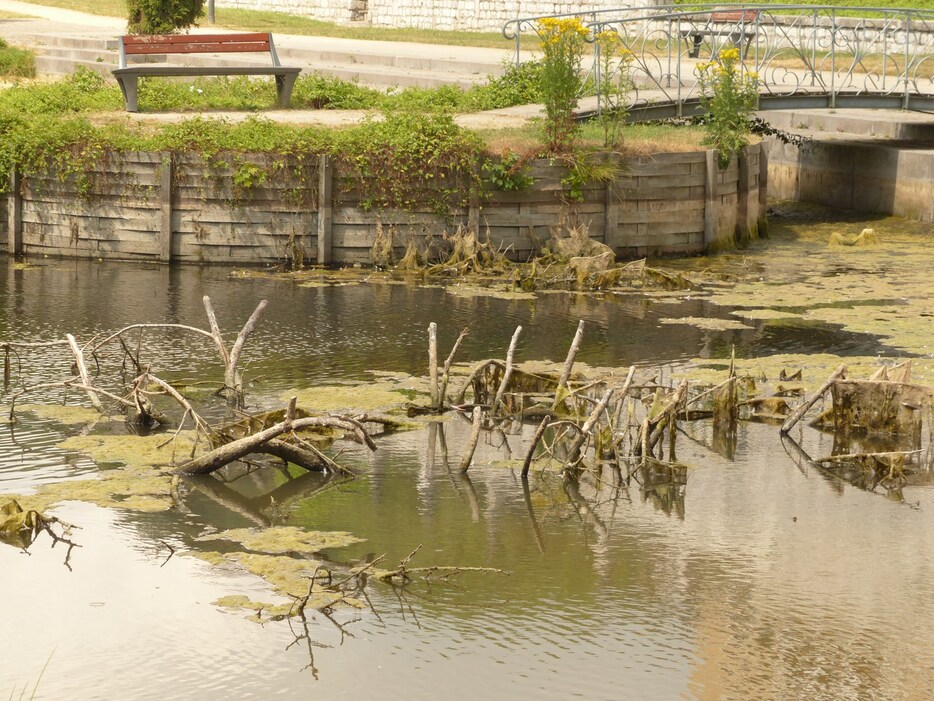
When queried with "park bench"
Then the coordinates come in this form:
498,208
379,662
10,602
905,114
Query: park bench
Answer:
736,26
167,44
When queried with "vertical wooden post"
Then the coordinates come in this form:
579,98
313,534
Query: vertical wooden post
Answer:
611,215
325,208
15,215
710,198
742,197
473,211
763,222
165,206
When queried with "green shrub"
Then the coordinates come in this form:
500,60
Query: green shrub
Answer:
519,85
15,62
162,16
319,91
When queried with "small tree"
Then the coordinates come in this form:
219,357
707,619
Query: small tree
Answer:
162,16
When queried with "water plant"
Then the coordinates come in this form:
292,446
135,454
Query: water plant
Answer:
729,94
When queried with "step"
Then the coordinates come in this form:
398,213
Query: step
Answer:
311,58
885,124
50,65
49,41
74,54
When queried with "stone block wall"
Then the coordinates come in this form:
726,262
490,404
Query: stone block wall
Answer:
476,15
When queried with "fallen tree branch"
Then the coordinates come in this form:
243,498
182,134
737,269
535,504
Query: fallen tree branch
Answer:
799,413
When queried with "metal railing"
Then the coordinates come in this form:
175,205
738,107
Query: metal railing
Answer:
803,55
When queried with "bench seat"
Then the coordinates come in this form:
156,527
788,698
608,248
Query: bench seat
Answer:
128,76
739,27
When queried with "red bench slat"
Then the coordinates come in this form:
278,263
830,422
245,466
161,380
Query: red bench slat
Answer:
735,16
198,43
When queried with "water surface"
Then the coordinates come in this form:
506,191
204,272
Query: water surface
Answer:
760,578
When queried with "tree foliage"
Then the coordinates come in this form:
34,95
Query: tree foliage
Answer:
163,16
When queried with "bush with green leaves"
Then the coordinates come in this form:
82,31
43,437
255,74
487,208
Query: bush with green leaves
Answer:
16,62
163,16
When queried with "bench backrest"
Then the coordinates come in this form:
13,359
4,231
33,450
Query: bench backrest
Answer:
737,16
149,44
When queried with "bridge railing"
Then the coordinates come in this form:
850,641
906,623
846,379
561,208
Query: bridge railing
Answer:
801,54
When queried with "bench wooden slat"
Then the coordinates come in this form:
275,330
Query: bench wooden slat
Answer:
735,16
185,38
199,48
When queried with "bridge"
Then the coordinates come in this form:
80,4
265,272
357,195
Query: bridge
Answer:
805,56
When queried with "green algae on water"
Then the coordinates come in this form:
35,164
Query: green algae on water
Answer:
285,539
64,414
708,324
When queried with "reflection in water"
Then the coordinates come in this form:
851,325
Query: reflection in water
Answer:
740,575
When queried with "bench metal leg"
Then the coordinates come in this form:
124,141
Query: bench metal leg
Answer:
284,85
129,87
698,40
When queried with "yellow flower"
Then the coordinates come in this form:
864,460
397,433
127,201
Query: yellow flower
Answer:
729,54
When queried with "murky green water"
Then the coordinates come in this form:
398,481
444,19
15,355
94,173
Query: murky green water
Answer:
760,578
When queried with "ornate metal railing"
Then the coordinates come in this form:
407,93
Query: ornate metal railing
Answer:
803,55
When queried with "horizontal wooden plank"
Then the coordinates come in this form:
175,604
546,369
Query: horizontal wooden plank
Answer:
663,193
661,218
684,207
689,180
662,168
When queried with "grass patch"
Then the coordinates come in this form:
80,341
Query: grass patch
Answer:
86,91
276,22
637,139
16,62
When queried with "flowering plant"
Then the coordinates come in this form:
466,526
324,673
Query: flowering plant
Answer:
729,94
615,64
562,43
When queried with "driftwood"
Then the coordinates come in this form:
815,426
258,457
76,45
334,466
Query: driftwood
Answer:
474,438
259,441
446,373
507,373
799,413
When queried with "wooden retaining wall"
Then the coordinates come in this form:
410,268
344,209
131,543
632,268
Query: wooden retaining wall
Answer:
150,206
